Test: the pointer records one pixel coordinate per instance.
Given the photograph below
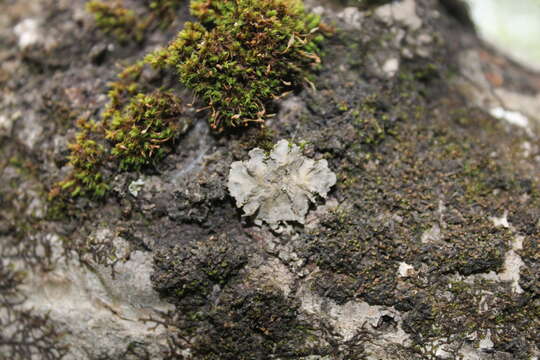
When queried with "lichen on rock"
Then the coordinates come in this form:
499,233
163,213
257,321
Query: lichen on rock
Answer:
279,187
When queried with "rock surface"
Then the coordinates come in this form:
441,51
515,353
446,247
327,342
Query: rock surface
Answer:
427,247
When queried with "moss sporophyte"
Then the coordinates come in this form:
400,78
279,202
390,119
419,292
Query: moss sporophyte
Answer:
238,59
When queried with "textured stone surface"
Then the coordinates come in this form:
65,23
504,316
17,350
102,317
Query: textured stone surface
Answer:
427,246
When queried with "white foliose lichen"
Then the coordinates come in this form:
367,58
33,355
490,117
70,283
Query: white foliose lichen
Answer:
279,187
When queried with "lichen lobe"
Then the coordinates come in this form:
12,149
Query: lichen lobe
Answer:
279,187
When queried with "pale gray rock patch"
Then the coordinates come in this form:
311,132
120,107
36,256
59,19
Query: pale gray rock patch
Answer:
6,124
95,309
355,316
290,108
485,343
36,206
352,17
528,105
200,132
390,67
405,270
511,106
513,117
402,11
512,261
31,131
28,33
501,221
512,265
276,274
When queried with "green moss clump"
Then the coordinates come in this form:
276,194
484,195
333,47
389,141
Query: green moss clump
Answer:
139,124
123,24
114,19
86,158
246,54
209,11
143,128
123,89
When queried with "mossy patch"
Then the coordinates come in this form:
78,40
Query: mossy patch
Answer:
215,260
137,128
459,311
421,188
254,324
127,26
244,54
86,157
220,313
116,20
143,129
